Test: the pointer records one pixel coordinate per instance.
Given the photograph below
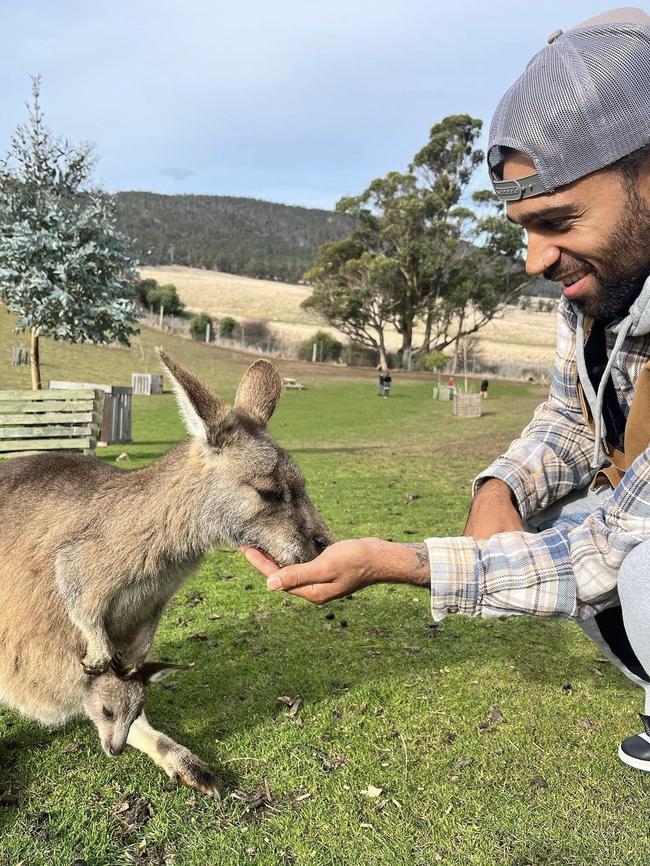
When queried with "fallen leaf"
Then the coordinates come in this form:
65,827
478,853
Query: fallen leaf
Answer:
199,635
587,724
214,616
539,783
597,671
302,797
70,747
371,791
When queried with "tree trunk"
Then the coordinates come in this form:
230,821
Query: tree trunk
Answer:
36,362
383,359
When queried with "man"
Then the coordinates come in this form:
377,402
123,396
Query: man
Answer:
549,533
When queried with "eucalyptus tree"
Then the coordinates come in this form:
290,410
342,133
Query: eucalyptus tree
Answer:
64,268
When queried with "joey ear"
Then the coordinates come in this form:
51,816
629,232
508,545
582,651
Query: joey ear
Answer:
259,391
202,411
153,672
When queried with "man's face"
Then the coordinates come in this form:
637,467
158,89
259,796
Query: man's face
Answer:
592,235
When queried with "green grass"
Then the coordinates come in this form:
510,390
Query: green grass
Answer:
387,700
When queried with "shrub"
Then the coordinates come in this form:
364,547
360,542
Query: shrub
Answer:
198,325
328,348
141,289
166,297
255,330
227,326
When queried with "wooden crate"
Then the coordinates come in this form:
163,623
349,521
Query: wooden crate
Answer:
466,405
147,383
115,427
49,420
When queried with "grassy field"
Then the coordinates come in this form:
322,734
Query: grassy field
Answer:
519,336
491,742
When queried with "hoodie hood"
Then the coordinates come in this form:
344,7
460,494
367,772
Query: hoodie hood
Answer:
635,324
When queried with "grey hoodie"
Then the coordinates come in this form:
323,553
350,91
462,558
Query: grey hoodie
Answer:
635,324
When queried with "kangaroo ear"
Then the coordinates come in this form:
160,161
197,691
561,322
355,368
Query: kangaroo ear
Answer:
202,411
259,391
153,672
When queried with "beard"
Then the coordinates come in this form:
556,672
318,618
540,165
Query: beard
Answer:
626,253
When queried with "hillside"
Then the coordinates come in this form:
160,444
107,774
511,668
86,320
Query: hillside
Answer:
517,336
235,235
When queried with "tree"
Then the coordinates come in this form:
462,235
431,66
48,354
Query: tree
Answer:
165,298
199,325
227,326
327,347
414,254
64,269
350,288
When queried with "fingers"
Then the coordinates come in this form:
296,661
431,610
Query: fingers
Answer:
297,576
259,560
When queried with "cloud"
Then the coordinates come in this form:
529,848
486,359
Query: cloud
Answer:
177,173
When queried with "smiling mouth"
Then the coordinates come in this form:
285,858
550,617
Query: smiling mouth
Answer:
575,284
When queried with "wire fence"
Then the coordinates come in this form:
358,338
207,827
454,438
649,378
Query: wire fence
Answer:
272,346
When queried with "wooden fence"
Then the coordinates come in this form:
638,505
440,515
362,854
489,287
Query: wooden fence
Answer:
49,420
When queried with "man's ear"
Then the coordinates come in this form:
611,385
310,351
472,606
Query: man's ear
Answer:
203,412
259,391
153,672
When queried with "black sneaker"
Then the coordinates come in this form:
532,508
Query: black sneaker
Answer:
635,751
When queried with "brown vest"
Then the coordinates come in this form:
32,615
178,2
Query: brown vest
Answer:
637,429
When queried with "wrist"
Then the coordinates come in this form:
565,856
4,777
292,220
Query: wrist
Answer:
398,563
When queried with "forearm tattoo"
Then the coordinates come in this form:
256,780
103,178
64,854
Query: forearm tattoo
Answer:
422,573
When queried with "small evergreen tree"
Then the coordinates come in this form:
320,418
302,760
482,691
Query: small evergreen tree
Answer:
199,324
64,268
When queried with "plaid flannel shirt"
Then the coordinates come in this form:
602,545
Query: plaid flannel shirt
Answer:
567,571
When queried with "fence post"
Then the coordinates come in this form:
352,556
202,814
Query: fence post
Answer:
162,311
314,349
242,336
207,333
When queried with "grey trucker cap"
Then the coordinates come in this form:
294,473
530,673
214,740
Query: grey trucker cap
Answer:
582,103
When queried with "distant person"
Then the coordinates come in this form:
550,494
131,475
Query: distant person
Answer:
387,383
451,384
484,388
559,524
380,387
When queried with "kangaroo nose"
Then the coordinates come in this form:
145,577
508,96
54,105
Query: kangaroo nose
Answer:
320,543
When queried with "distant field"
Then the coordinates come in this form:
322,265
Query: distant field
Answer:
521,337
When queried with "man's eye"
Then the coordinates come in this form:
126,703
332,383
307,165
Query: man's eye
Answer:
108,714
557,225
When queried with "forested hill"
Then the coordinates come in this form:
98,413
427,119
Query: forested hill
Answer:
236,235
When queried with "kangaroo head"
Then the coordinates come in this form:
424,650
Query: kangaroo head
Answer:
252,493
113,702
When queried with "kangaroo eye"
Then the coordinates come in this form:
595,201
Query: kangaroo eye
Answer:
271,497
108,714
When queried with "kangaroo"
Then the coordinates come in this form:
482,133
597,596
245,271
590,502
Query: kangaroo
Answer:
104,549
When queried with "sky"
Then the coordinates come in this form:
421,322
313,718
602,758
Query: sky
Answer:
294,102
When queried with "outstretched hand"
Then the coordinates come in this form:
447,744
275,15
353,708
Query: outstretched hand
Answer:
345,567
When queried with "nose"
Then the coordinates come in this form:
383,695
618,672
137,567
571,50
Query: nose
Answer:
115,750
320,543
540,254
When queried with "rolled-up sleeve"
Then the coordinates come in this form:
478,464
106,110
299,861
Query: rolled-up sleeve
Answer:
565,571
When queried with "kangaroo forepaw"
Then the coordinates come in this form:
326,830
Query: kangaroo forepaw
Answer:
95,666
190,771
